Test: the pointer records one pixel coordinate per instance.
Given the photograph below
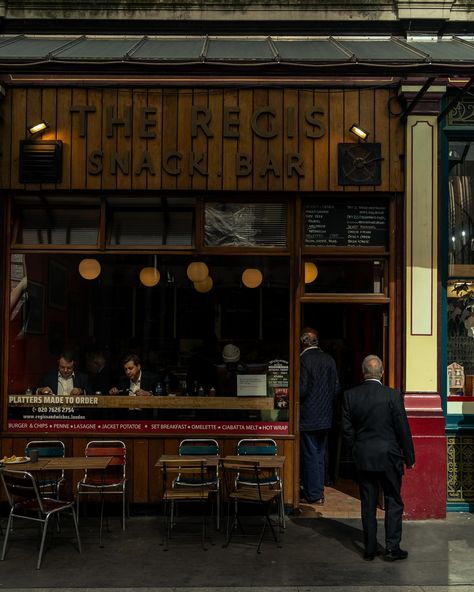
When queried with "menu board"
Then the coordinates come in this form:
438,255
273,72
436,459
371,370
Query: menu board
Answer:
346,224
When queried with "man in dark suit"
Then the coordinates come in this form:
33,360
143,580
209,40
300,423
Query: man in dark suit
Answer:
66,380
136,382
377,431
319,388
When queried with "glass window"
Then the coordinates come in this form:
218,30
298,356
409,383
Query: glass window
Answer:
245,225
57,226
460,289
344,277
151,227
103,307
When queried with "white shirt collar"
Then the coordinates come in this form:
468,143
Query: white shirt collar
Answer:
373,380
308,348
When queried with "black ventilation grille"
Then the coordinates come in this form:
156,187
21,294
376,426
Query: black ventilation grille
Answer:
41,161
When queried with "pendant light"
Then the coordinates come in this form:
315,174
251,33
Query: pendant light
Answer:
252,278
89,269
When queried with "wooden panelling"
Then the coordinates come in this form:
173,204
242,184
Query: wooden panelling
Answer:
137,139
144,479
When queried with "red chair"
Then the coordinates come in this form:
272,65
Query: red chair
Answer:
102,482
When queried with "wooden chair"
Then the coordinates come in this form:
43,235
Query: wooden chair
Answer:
202,447
244,484
27,503
190,469
52,483
264,447
109,481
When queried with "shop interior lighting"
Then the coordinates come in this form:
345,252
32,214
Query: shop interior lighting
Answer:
197,271
252,278
358,132
38,128
310,272
149,276
205,285
89,269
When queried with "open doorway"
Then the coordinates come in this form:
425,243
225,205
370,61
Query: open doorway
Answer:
348,332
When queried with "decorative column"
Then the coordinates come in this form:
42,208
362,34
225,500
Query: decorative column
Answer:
425,486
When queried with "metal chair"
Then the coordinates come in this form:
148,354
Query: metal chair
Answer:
52,483
102,482
27,503
266,447
244,483
202,447
193,470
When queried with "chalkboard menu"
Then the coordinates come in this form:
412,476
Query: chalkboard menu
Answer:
346,224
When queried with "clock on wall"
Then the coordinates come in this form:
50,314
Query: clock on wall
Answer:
359,164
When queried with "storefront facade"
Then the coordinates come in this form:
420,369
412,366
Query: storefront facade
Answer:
297,220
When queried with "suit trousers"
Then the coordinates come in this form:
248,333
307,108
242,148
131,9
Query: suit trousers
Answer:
390,481
313,463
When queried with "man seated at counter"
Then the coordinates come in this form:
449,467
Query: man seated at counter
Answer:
66,380
99,373
136,382
226,379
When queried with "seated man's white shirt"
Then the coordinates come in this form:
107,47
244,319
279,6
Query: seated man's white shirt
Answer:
65,385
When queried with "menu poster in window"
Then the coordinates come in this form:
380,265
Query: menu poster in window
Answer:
277,383
346,224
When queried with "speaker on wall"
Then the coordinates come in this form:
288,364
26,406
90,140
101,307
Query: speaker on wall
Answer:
41,161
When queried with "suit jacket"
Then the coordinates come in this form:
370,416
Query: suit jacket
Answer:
319,388
147,383
79,380
376,427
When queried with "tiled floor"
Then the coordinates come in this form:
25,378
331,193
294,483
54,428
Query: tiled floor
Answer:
341,501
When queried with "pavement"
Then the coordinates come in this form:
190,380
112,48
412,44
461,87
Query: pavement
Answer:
316,555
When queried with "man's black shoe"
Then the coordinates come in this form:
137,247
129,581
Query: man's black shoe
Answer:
395,554
371,556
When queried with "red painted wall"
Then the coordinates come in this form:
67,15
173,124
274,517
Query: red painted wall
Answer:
424,487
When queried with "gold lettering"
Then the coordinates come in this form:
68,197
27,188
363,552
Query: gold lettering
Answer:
243,164
294,163
95,166
122,162
198,122
270,165
172,170
319,129
145,162
194,164
83,111
144,123
230,122
112,120
272,125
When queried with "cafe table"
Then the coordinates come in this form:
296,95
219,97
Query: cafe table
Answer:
60,463
264,461
211,461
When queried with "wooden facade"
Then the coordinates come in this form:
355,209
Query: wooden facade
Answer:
255,141
259,140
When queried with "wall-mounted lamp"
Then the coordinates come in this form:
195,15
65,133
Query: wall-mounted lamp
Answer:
358,132
252,278
89,269
149,276
38,128
204,286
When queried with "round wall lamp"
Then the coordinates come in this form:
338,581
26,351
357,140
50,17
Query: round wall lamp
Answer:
204,286
89,269
197,271
149,276
310,272
252,278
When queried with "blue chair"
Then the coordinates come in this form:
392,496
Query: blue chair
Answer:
202,447
51,484
259,447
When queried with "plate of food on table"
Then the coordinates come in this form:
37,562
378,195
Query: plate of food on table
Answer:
14,460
